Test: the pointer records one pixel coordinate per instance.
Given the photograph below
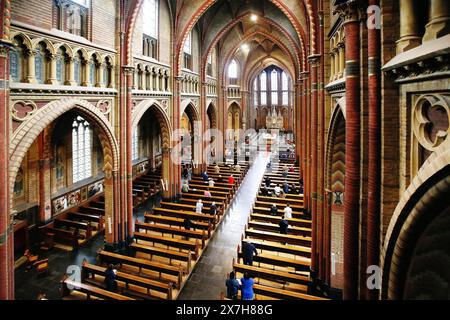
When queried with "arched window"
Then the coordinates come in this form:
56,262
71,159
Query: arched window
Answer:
150,28
71,16
92,71
187,49
233,70
255,92
150,20
135,144
81,149
39,64
107,73
285,88
61,65
77,68
274,86
14,65
263,80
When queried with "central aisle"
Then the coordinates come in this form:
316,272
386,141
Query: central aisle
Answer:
207,280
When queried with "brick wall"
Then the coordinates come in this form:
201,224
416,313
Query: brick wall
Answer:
103,22
34,12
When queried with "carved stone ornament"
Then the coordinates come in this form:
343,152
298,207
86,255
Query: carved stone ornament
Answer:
23,110
431,118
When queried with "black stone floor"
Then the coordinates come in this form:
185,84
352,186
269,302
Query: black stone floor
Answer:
28,284
207,280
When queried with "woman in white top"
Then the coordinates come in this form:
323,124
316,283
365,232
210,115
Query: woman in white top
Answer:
211,183
199,206
217,168
277,190
287,212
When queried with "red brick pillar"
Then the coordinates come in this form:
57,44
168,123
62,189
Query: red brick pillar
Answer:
305,137
299,142
175,167
314,65
373,206
6,227
350,14
129,226
203,111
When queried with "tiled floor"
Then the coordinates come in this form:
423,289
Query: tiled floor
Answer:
28,285
207,280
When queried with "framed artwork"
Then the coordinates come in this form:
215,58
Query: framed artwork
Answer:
59,204
83,193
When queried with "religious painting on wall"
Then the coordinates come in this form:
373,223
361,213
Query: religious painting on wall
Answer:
60,165
94,189
83,193
59,204
19,184
74,198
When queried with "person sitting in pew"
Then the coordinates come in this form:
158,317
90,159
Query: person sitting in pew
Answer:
207,193
237,168
285,187
265,191
247,287
110,278
273,210
285,171
291,169
277,190
185,187
205,176
185,172
231,180
220,178
187,225
300,189
199,206
216,168
248,250
267,181
284,225
287,212
213,208
232,287
211,182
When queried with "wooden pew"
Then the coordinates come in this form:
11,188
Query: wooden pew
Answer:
164,229
265,226
89,271
184,214
64,236
174,243
92,210
171,221
87,217
272,275
302,223
200,195
165,253
89,291
276,237
85,226
299,264
283,294
280,248
188,207
160,268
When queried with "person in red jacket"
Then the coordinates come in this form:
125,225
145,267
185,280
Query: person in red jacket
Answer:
231,180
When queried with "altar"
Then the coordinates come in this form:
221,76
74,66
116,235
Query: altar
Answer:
274,120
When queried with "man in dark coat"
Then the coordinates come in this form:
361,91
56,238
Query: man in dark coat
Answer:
248,250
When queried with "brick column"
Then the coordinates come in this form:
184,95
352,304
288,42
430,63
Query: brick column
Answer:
203,112
6,227
373,206
350,13
306,135
314,65
175,177
128,77
298,127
